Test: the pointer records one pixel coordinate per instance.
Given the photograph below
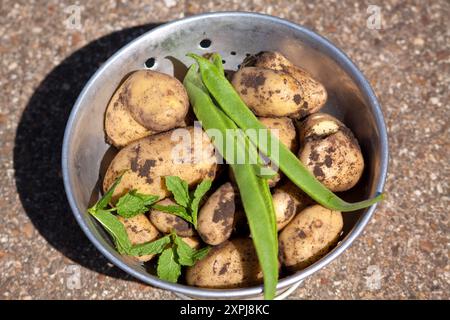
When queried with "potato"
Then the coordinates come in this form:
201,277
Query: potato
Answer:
193,242
150,159
301,199
288,200
216,216
331,152
314,93
231,264
155,100
284,129
166,222
309,236
270,93
140,230
120,126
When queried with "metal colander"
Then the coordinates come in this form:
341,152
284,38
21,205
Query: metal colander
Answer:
234,35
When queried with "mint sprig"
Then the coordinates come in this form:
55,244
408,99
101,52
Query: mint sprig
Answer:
177,255
134,203
173,251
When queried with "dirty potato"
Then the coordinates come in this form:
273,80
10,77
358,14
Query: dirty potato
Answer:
193,242
155,100
167,222
331,152
270,93
314,93
120,127
309,236
140,230
148,160
284,130
231,264
216,216
285,208
288,199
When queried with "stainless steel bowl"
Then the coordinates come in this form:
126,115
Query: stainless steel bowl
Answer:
233,34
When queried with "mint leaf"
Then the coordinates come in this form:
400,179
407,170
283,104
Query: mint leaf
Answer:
186,255
179,189
106,199
200,191
133,203
153,247
114,227
148,199
168,267
176,210
201,253
184,252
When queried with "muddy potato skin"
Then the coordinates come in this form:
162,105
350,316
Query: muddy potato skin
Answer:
314,93
285,128
331,152
149,160
216,217
193,242
155,100
288,200
166,222
231,264
140,230
120,126
269,93
309,236
285,209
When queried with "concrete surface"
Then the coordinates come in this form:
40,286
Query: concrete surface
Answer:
403,253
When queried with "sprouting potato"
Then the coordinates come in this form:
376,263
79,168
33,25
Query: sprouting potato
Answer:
314,93
155,100
147,161
309,236
167,222
140,230
270,93
229,265
216,217
331,152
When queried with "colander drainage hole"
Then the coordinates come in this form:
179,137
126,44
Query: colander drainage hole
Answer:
223,62
205,43
233,53
150,63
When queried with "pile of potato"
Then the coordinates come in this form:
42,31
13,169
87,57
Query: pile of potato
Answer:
140,119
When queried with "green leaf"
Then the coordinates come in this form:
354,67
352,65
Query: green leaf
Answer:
179,189
133,203
106,199
154,247
200,191
114,227
201,253
184,252
168,267
186,255
148,199
174,209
